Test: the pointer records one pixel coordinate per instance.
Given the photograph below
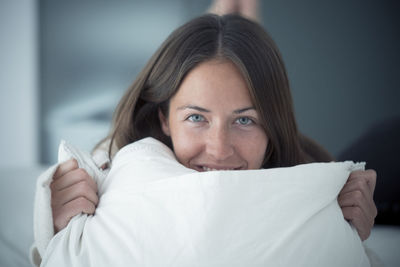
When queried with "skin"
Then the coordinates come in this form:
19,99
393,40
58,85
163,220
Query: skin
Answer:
212,122
72,191
357,202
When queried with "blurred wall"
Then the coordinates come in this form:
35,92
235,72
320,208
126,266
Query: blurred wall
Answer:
91,51
18,90
343,63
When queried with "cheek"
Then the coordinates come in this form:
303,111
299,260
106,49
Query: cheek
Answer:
253,149
186,144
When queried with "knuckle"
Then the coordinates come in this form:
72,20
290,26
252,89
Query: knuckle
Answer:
73,163
83,187
357,197
372,173
82,173
361,183
90,208
80,202
85,205
355,174
70,164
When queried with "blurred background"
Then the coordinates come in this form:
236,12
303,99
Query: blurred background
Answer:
65,64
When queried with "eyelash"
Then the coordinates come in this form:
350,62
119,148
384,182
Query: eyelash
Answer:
250,121
202,119
190,118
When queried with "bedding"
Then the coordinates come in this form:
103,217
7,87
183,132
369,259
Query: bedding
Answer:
43,220
155,212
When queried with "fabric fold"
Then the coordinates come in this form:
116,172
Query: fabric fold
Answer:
43,226
153,211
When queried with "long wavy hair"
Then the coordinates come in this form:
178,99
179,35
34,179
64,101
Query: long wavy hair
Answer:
229,37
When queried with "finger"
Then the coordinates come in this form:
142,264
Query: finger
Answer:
368,176
371,179
71,178
355,194
358,181
356,217
356,185
70,209
364,202
80,189
357,199
65,167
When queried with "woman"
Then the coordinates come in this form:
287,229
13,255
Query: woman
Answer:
217,93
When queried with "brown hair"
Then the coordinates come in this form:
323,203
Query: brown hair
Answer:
228,37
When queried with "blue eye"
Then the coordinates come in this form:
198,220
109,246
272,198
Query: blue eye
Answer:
196,118
244,121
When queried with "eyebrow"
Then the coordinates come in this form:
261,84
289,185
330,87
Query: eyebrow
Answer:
237,111
194,107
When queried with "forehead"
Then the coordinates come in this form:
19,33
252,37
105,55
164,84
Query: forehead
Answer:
214,82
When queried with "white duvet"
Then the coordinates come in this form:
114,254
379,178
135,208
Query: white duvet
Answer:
155,212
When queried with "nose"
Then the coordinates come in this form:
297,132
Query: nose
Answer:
219,145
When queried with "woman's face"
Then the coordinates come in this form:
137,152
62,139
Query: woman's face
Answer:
212,121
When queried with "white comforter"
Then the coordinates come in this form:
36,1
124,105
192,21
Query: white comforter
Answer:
155,212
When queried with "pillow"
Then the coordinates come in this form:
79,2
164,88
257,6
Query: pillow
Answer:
153,211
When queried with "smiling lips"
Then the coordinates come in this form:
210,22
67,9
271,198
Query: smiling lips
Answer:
214,168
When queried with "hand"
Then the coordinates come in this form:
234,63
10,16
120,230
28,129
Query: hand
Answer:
356,201
72,191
